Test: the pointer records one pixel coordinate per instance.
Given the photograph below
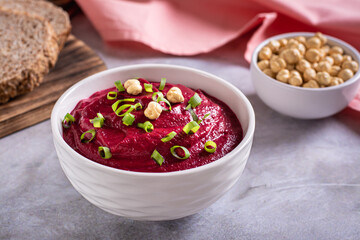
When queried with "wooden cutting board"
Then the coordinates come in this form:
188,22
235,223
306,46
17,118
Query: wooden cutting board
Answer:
76,61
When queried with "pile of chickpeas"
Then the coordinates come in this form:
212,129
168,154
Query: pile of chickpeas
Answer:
306,62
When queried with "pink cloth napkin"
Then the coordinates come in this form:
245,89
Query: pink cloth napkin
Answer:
189,27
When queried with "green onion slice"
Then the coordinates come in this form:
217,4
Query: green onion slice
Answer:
193,115
161,98
148,87
111,95
186,152
194,101
147,126
168,137
119,86
122,108
98,121
210,146
104,152
162,84
157,157
206,115
115,104
68,120
192,127
138,106
128,119
86,140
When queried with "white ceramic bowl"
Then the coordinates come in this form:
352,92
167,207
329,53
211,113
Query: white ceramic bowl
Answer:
305,103
154,196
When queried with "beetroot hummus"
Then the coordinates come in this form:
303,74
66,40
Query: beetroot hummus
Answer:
131,147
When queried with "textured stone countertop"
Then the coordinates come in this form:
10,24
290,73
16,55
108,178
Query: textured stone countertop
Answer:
302,180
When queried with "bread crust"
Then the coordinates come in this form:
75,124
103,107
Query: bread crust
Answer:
31,73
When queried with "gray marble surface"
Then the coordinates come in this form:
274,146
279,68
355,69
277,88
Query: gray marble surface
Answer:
302,180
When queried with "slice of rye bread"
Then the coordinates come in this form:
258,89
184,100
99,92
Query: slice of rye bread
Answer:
58,18
28,48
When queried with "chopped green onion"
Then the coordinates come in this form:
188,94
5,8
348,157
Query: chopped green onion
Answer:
162,84
68,120
186,152
148,87
168,137
119,86
111,95
147,126
122,108
157,157
98,121
104,152
206,115
194,101
128,119
115,104
138,106
161,98
92,132
210,146
193,115
191,127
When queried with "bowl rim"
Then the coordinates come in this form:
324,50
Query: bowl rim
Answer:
353,50
244,142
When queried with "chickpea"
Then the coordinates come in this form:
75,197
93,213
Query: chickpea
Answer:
313,42
133,86
352,65
303,65
292,43
290,67
265,53
347,58
323,66
295,78
322,38
309,74
276,64
336,81
274,46
268,72
312,55
334,70
292,55
263,64
153,110
311,84
283,42
283,75
174,95
301,39
302,49
325,48
329,60
315,65
337,58
345,74
323,78
336,49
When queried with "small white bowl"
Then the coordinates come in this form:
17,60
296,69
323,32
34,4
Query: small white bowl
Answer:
304,103
154,196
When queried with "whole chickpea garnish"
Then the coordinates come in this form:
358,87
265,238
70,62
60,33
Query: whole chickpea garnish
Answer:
347,58
300,39
345,74
274,45
283,42
309,74
336,81
329,60
312,55
338,58
323,78
352,65
313,42
263,64
334,70
336,49
265,53
133,86
291,55
283,75
153,110
268,72
276,64
295,78
311,84
174,95
322,38
323,66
